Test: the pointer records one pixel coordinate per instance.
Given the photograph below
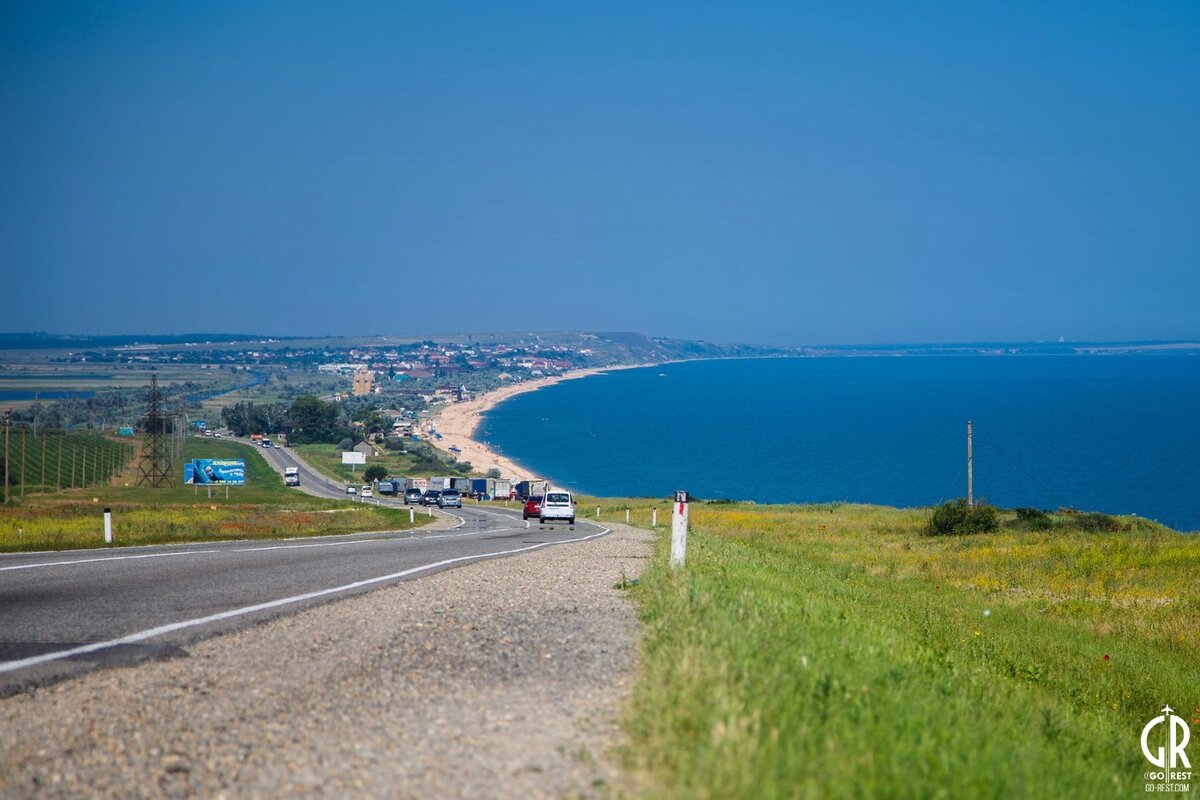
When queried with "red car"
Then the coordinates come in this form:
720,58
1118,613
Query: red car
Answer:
533,507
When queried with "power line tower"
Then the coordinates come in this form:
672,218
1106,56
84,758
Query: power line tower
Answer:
154,465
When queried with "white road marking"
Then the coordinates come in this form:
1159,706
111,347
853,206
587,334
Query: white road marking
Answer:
161,630
109,558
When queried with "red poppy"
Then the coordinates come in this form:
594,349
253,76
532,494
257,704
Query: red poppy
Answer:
1106,658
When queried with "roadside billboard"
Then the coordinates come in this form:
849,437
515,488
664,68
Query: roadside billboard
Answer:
352,457
229,471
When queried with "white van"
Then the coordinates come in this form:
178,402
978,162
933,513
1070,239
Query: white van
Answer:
558,504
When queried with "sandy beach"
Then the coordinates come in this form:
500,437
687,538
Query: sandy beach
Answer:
457,423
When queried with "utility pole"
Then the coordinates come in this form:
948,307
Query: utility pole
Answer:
58,480
23,459
7,425
970,468
43,483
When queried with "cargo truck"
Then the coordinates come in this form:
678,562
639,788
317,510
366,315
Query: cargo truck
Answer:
528,489
463,485
499,488
416,483
291,476
479,488
439,483
390,486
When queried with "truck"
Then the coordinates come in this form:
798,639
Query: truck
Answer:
479,488
389,486
499,488
416,483
291,476
440,483
528,489
463,485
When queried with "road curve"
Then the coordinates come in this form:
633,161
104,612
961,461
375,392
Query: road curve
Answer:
65,613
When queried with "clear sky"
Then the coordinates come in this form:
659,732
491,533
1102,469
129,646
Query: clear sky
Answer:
782,173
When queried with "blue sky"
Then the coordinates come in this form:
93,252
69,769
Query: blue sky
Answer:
783,173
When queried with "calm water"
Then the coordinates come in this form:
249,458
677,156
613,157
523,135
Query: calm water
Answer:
1114,434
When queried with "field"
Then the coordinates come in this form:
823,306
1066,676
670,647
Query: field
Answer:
420,460
48,461
263,509
836,651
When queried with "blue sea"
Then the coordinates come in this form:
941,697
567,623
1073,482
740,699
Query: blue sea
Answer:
1118,434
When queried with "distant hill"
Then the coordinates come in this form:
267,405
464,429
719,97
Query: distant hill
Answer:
55,341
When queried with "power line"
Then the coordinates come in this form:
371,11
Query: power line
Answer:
1065,503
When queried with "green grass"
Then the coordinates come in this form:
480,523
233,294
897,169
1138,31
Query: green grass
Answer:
53,459
420,460
263,509
836,651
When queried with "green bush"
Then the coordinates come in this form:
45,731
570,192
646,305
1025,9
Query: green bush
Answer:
1096,523
1033,519
958,518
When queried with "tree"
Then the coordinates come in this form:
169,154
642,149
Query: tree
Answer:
494,472
313,421
375,472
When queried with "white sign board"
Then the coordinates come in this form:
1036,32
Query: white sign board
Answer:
353,457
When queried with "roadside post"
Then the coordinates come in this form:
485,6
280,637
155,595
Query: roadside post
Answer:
597,512
679,529
654,518
627,516
108,526
412,516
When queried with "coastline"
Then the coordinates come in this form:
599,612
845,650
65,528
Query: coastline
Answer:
458,422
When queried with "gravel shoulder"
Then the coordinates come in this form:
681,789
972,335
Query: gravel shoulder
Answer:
502,678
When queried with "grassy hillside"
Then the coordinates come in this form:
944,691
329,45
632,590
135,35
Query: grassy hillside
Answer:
49,460
263,509
836,651
421,459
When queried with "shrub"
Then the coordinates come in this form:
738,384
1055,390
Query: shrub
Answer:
375,472
345,444
1033,519
957,518
1096,522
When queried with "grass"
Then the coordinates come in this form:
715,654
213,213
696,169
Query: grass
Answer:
51,460
421,459
836,651
263,509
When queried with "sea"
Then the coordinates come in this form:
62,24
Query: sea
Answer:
1118,434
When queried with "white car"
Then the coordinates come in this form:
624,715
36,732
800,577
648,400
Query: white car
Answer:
557,505
351,490
366,492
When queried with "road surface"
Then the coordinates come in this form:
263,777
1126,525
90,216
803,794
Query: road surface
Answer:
64,613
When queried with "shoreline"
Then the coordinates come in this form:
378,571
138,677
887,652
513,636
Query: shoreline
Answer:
458,422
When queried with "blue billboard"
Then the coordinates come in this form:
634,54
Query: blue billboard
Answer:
229,471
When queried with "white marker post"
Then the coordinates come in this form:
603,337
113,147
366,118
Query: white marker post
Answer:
627,516
412,516
108,526
679,528
654,518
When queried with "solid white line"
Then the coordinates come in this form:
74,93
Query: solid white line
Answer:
110,558
11,666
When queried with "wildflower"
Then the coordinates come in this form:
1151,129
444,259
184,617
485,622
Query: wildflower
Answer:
1106,658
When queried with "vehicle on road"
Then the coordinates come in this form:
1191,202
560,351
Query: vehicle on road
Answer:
557,505
366,491
267,443
291,476
412,496
451,498
351,490
533,507
430,497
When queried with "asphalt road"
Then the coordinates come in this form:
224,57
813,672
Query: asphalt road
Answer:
64,613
